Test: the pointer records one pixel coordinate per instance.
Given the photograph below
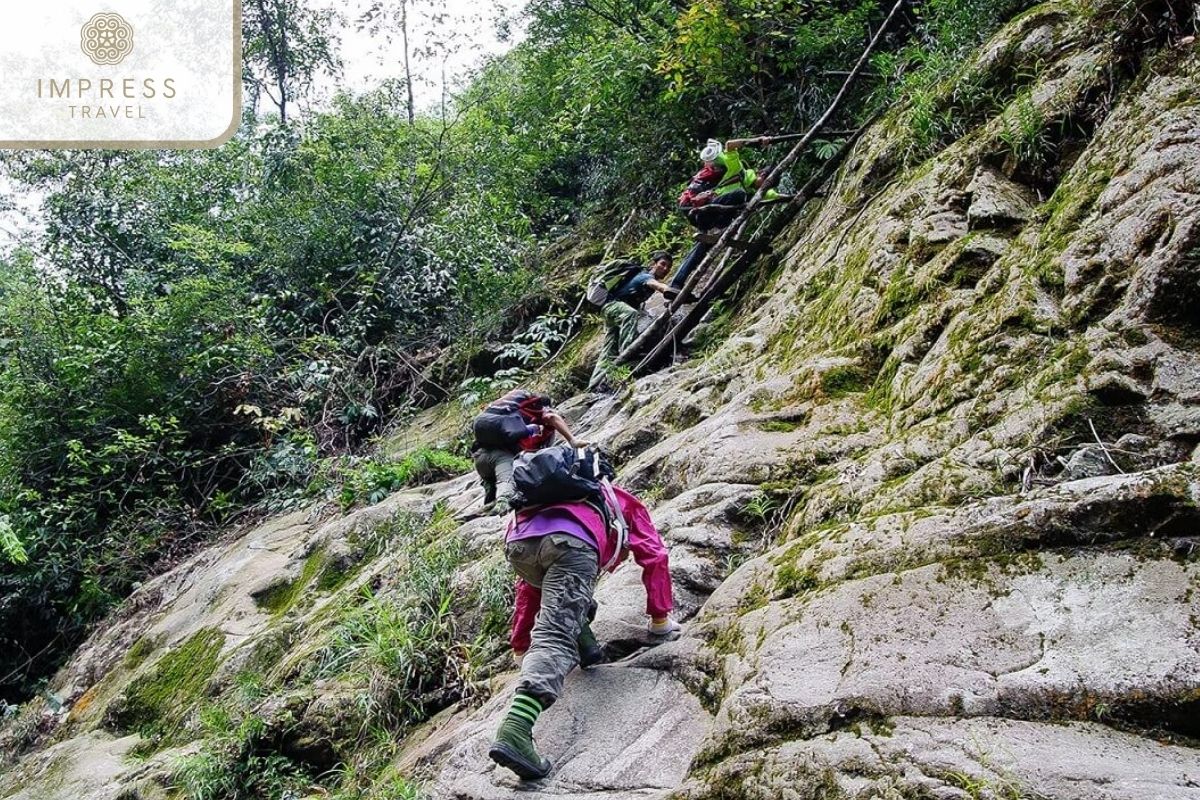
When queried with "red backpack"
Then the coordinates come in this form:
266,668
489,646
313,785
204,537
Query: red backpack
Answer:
703,181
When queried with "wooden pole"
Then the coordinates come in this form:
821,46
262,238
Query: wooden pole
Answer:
719,249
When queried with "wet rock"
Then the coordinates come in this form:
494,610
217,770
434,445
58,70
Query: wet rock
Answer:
939,227
880,759
618,732
322,734
1177,420
1034,638
93,765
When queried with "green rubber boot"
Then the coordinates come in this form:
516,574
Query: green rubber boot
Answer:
590,651
513,746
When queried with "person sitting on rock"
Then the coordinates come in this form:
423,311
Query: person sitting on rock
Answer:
621,314
557,551
715,197
520,421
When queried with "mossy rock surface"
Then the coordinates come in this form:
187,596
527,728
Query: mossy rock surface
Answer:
157,701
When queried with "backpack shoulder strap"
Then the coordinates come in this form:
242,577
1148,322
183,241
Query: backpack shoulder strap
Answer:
617,279
616,522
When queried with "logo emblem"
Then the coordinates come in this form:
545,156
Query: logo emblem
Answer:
107,38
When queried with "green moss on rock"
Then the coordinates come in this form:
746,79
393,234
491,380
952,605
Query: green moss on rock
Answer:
281,597
791,580
141,650
729,640
155,703
333,576
841,381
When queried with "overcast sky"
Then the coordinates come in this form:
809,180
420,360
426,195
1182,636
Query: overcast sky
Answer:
468,26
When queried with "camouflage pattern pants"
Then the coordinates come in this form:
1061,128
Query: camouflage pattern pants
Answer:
621,328
565,569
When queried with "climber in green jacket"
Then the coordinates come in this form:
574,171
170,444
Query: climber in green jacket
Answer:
715,196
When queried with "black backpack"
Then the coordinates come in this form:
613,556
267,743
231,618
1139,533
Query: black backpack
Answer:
501,426
607,278
560,474
499,431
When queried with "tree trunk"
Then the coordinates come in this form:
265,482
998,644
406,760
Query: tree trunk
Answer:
407,68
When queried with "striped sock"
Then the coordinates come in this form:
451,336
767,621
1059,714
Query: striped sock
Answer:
524,710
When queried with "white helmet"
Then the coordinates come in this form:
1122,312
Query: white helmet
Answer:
712,149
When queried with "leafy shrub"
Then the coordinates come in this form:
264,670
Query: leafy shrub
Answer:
371,481
941,102
236,764
116,433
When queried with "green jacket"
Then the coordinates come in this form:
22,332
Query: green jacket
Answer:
735,173
738,176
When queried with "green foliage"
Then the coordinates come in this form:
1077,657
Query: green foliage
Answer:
142,649
235,763
745,50
778,426
982,788
729,639
529,348
286,45
116,433
761,507
402,645
374,777
1025,134
415,646
371,481
11,547
494,592
940,100
899,298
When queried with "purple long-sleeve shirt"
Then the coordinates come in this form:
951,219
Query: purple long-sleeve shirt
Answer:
551,519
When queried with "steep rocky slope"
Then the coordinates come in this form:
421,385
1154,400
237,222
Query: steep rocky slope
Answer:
932,508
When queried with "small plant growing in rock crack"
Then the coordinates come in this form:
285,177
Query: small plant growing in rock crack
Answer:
1025,133
768,513
980,788
734,561
760,508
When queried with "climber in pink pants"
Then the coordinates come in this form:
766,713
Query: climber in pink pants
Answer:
644,544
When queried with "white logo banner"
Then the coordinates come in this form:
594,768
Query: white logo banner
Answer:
120,73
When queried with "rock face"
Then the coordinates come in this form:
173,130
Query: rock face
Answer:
619,731
933,508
